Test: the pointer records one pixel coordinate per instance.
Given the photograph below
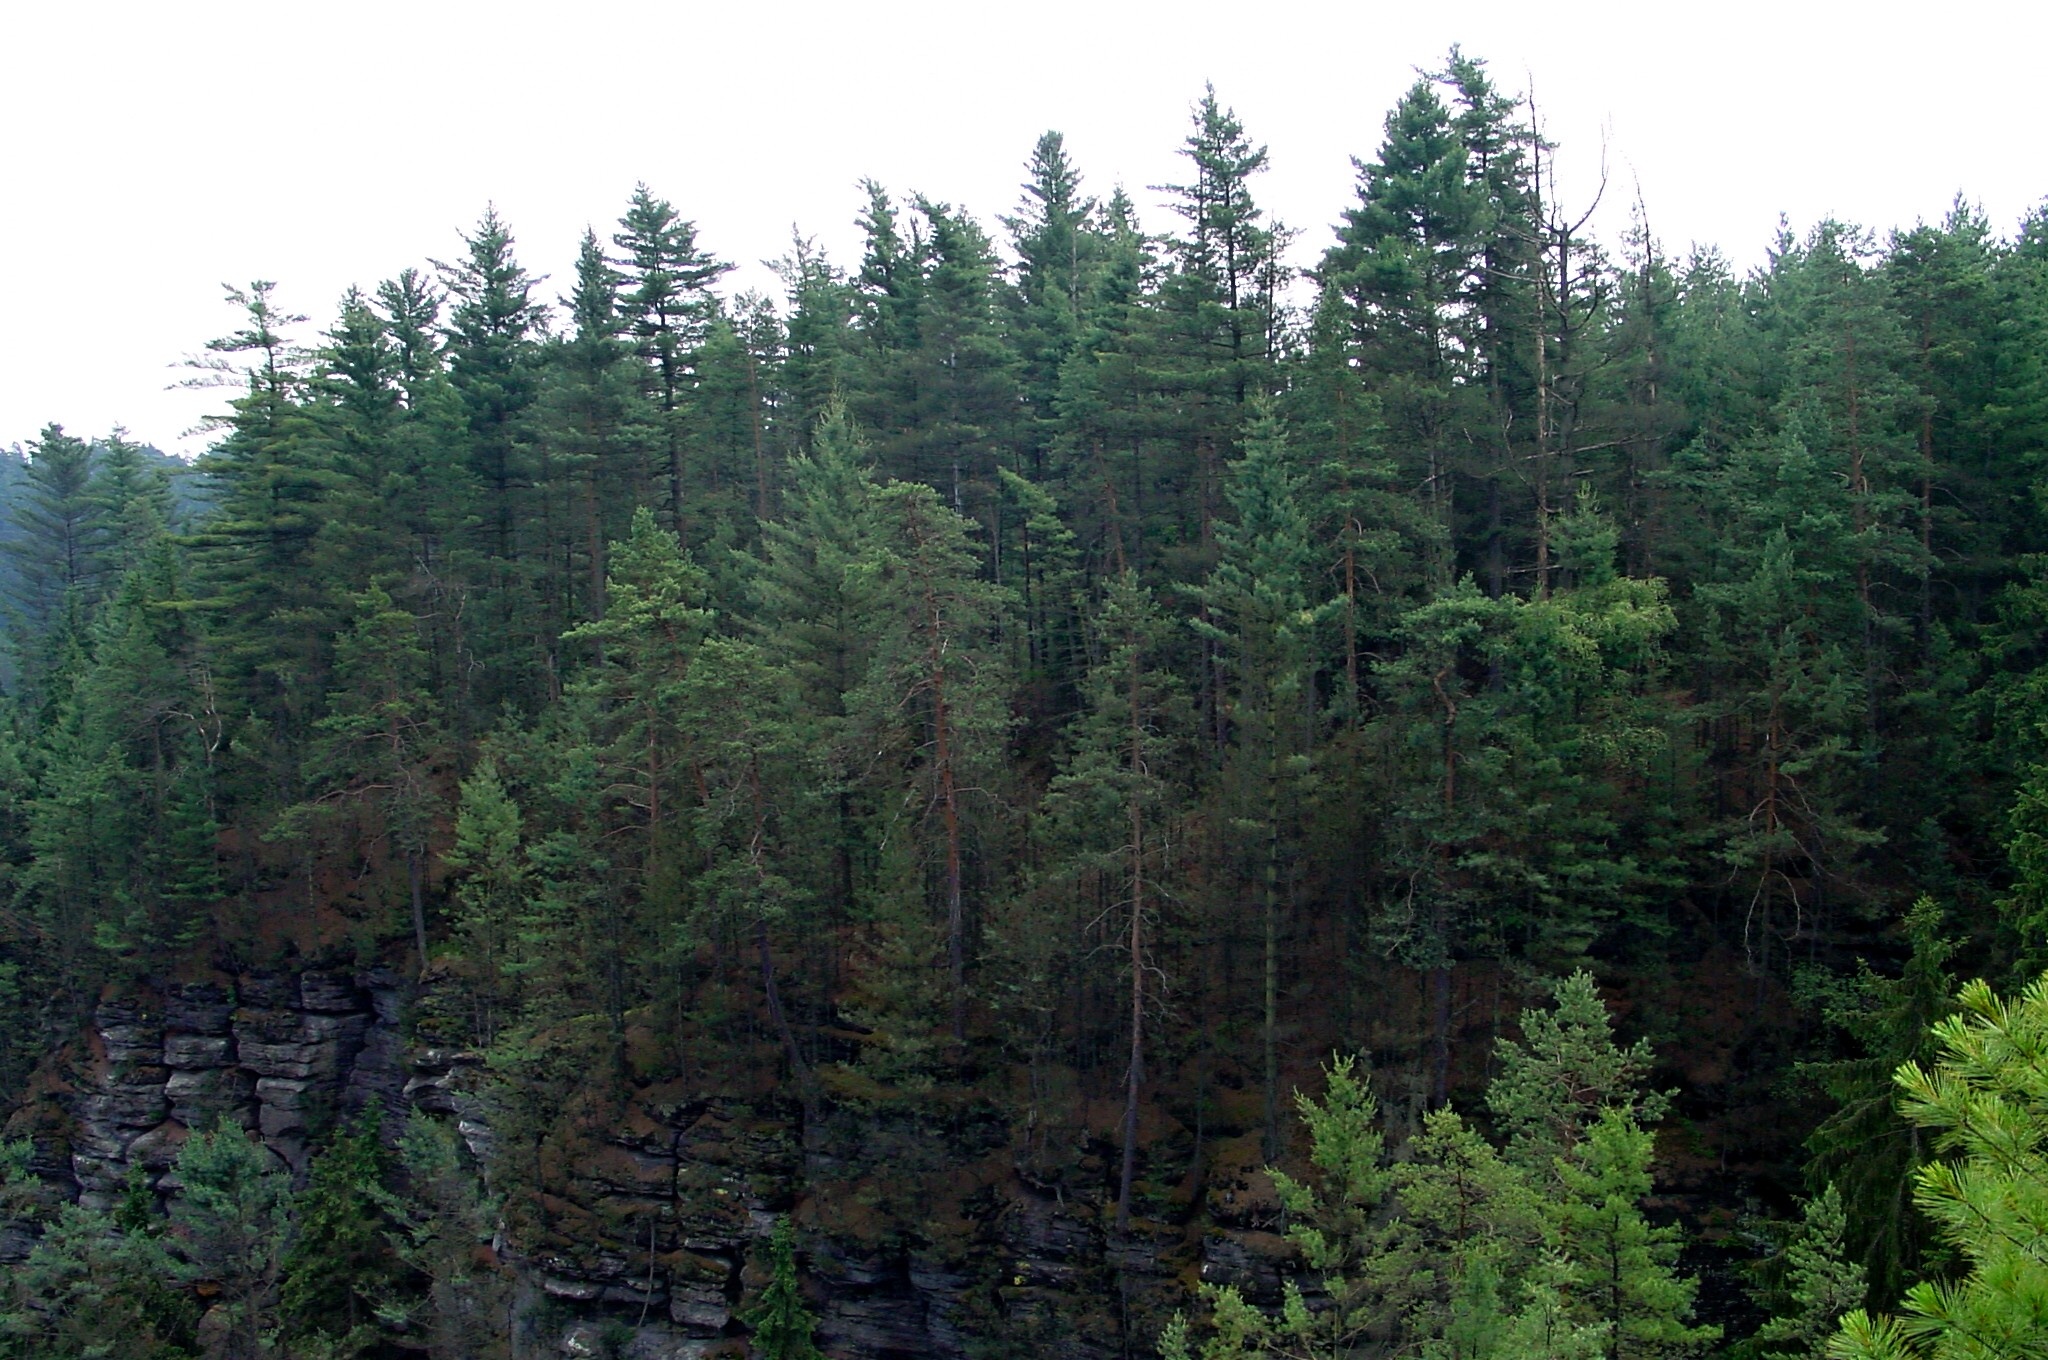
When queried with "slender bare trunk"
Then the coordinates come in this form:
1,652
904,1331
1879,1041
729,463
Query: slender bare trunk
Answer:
415,873
1135,1075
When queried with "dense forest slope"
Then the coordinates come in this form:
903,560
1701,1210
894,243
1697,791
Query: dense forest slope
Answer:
938,760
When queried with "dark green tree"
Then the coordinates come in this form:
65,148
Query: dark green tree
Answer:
780,1322
599,429
228,1226
669,307
1261,617
340,1270
931,705
1106,816
90,1289
53,553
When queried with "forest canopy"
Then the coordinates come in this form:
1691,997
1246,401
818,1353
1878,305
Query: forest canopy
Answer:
1057,677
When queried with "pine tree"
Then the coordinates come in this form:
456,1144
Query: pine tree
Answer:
1863,1148
1402,262
1815,1283
1988,1198
379,747
1216,338
629,725
1563,1075
780,1323
133,497
1059,252
228,1226
256,556
597,423
123,823
818,306
446,1221
962,371
931,702
1618,1268
669,307
1460,1250
737,397
815,611
434,490
54,549
756,800
491,895
90,1289
493,330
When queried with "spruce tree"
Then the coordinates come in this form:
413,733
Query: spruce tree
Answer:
490,895
1258,599
256,556
339,1270
815,610
597,428
493,328
373,763
53,551
1815,1284
90,1288
1059,249
1216,339
780,1323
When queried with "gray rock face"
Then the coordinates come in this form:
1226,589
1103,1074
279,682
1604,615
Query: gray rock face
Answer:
1254,1262
133,1043
198,1008
201,1095
284,1054
700,1310
650,1342
330,992
198,1051
656,1219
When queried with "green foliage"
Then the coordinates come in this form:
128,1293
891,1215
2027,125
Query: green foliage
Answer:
780,1323
1987,1194
228,1229
1613,1261
492,912
1863,1146
679,669
1462,1250
1564,1076
92,1290
444,1224
340,1267
1814,1284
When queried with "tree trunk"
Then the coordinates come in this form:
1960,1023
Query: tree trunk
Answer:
1135,1074
1272,961
415,874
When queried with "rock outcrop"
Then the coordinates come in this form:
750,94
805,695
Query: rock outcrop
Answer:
283,1054
917,1233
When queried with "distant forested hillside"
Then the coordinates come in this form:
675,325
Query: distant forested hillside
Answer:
977,731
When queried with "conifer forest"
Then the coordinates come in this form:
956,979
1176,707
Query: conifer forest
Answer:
1062,788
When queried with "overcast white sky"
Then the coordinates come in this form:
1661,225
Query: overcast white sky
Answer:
150,152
